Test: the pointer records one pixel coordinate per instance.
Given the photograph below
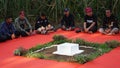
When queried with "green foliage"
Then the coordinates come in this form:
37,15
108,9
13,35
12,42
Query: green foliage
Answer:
35,55
36,48
105,50
20,51
17,52
54,8
47,45
101,49
86,58
80,41
59,38
41,46
85,43
81,59
112,44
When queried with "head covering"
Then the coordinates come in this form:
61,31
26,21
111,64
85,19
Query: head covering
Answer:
66,9
88,9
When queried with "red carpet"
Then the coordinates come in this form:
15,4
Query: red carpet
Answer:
7,60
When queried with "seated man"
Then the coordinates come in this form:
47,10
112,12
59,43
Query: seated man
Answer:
67,22
110,24
90,21
7,30
22,25
42,25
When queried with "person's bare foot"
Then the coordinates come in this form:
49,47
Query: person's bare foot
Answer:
104,33
90,32
111,34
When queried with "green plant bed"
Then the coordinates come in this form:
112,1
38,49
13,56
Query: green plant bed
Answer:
91,50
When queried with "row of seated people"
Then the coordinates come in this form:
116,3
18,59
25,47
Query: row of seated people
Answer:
22,28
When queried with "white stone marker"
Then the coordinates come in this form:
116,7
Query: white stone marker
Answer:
68,49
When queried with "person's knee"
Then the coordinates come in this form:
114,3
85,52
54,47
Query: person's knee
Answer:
101,30
39,29
63,28
115,30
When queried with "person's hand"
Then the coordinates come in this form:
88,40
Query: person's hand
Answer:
86,30
63,27
13,36
42,28
49,26
110,25
31,31
107,30
70,28
28,33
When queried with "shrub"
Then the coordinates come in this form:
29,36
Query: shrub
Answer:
80,41
112,44
35,48
35,55
59,38
105,50
20,51
81,59
85,43
86,58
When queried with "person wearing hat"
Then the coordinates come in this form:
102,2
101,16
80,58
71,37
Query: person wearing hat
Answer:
42,25
22,25
90,21
7,30
67,22
110,24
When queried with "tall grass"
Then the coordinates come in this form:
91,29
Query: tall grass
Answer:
54,8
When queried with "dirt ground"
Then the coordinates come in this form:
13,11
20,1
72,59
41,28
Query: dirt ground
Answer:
48,53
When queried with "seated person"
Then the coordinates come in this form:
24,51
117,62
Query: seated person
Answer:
90,21
67,22
110,24
42,25
22,25
7,30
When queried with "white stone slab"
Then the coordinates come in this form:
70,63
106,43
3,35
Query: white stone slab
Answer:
68,49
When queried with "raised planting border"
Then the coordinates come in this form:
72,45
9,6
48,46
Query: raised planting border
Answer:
58,39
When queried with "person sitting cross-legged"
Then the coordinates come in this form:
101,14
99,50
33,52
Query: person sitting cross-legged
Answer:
90,21
110,24
22,25
7,30
42,25
67,22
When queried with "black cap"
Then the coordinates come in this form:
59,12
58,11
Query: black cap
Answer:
66,9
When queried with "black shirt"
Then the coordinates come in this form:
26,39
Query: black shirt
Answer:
110,20
41,22
90,19
68,21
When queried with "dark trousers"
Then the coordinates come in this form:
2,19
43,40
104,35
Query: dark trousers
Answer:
23,33
3,38
6,37
93,29
67,27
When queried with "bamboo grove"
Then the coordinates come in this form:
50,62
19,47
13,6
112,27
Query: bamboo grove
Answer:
54,8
